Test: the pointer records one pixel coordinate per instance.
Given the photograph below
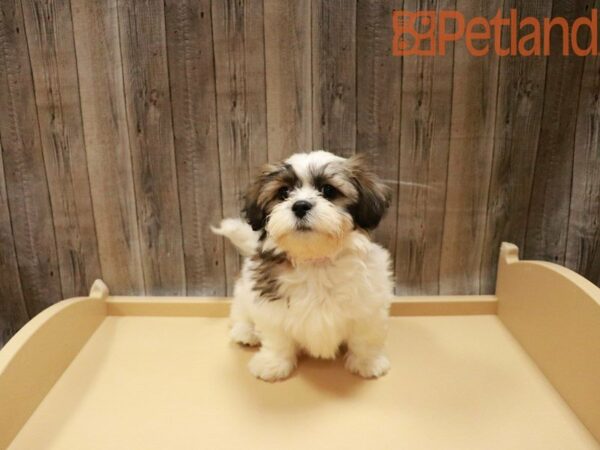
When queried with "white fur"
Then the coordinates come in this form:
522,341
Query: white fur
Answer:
340,297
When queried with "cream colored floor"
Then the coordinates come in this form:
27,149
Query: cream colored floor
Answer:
177,383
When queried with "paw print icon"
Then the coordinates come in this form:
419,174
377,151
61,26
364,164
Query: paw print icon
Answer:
414,33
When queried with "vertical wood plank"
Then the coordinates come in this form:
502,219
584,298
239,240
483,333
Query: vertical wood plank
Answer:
425,143
470,160
148,104
378,103
583,240
13,312
191,73
518,120
241,104
334,76
26,184
288,72
52,52
546,236
96,32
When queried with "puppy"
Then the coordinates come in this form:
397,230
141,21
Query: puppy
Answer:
312,279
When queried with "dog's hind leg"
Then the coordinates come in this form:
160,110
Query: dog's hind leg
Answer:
242,328
365,356
243,333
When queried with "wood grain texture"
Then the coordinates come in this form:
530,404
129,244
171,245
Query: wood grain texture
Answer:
546,236
518,120
583,239
334,76
191,73
129,127
13,311
238,40
470,160
425,143
289,79
25,175
52,52
148,104
378,104
96,29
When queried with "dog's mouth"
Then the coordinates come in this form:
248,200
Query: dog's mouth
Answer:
301,226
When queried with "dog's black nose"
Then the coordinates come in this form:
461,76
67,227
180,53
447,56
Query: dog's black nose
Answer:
301,207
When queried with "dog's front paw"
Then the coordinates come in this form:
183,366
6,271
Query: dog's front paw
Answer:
367,367
270,367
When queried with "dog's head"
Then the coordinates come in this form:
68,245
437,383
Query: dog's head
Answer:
311,201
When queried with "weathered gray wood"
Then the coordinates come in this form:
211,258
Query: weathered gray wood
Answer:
26,184
378,104
52,52
583,240
96,33
518,120
546,236
13,311
191,72
148,103
334,76
238,35
172,112
425,142
288,73
470,160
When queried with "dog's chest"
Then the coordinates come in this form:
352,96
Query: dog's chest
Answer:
323,287
321,306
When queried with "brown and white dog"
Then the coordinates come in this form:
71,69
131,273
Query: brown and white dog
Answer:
312,279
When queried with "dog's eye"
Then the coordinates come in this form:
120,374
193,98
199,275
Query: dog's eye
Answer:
283,192
328,191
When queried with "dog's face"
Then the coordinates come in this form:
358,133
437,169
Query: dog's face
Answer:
311,201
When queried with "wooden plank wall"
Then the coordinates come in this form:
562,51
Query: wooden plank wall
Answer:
127,128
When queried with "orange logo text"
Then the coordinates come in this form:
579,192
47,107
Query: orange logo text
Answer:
428,33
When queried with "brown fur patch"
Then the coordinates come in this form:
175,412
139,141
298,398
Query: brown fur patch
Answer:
268,265
263,195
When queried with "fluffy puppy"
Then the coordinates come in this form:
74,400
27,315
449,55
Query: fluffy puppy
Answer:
312,279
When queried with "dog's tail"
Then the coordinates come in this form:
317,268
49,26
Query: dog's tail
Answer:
240,234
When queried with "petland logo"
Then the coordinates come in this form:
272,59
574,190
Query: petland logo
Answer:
427,33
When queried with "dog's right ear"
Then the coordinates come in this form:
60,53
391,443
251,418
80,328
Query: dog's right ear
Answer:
253,213
254,210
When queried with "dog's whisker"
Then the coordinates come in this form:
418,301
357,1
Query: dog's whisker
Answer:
408,183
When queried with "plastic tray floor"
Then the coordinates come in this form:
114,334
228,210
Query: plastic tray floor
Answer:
178,383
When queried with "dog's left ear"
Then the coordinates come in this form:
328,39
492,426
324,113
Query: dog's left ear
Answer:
373,196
